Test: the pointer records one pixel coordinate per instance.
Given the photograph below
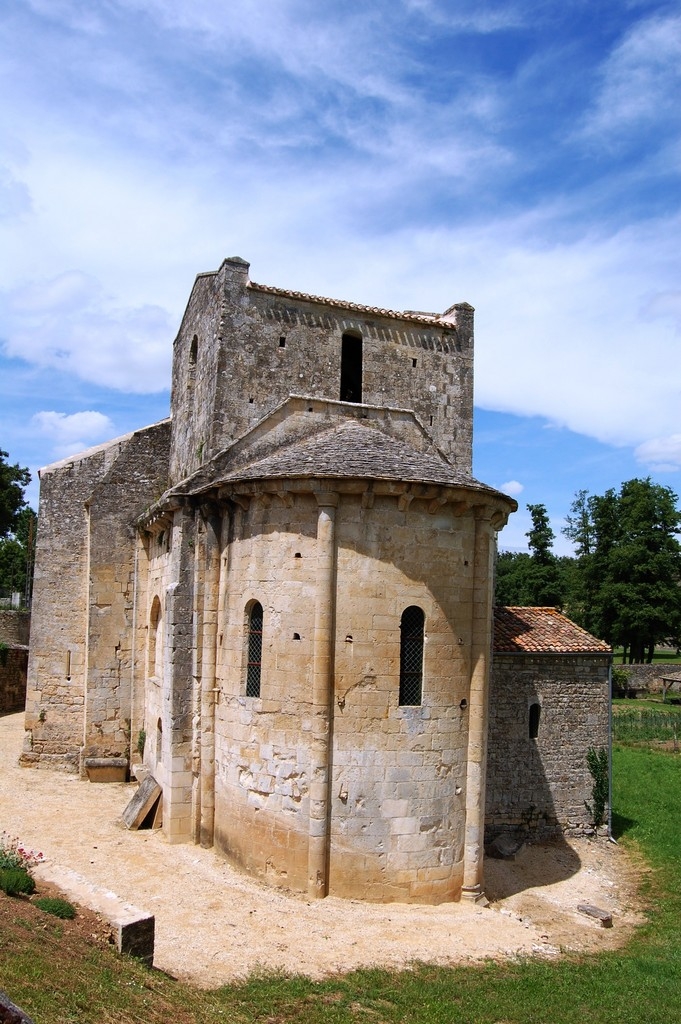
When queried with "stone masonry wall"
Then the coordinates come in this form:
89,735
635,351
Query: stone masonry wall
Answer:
134,481
262,756
539,787
398,790
57,663
13,667
253,349
15,627
82,595
649,677
399,773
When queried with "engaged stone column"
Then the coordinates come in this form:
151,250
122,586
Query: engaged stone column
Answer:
322,696
478,709
211,594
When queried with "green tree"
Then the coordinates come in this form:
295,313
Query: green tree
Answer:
537,578
17,529
628,581
13,481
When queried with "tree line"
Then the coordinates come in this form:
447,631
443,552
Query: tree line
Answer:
17,531
623,584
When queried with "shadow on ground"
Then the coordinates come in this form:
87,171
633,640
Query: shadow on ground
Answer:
534,866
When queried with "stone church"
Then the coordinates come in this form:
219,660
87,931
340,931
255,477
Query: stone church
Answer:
280,599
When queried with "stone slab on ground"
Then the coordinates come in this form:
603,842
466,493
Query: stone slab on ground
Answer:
604,917
10,1013
133,928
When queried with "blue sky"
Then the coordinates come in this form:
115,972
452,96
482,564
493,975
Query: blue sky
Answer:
522,156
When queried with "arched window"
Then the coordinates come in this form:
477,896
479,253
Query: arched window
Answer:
351,368
155,658
535,715
254,649
411,655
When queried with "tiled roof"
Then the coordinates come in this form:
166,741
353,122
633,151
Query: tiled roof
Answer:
353,450
541,630
420,318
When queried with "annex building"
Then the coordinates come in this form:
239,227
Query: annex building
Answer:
280,600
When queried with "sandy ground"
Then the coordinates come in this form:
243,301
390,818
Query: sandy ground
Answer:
215,924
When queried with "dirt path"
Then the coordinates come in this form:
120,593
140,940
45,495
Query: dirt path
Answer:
215,924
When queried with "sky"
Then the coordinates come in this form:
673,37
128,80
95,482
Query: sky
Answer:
522,156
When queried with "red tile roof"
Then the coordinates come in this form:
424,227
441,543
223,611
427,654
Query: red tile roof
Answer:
433,320
541,631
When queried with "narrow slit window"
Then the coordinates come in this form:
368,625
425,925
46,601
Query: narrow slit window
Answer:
193,354
159,741
254,652
411,656
535,715
155,654
351,369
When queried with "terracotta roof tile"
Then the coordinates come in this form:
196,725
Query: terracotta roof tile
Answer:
436,320
541,630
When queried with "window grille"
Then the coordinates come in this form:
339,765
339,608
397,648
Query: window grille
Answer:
411,656
254,661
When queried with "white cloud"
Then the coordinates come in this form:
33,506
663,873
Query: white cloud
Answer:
70,434
661,454
512,487
161,137
70,324
641,79
664,306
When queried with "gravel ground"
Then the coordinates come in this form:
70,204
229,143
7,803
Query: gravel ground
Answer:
215,924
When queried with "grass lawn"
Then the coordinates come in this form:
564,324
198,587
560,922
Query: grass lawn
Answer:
58,984
664,656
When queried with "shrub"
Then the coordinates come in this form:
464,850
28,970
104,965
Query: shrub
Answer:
16,881
57,906
597,762
9,858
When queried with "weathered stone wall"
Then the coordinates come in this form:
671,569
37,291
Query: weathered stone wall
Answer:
13,668
398,774
15,627
649,677
80,667
57,664
134,481
539,787
237,370
262,754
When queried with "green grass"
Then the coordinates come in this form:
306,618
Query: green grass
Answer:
646,721
640,983
56,906
661,657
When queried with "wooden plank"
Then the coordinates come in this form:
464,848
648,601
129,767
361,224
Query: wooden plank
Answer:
141,802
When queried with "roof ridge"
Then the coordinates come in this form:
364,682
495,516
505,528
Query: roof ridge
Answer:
436,319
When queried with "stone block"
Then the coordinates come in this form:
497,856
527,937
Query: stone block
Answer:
106,769
10,1013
